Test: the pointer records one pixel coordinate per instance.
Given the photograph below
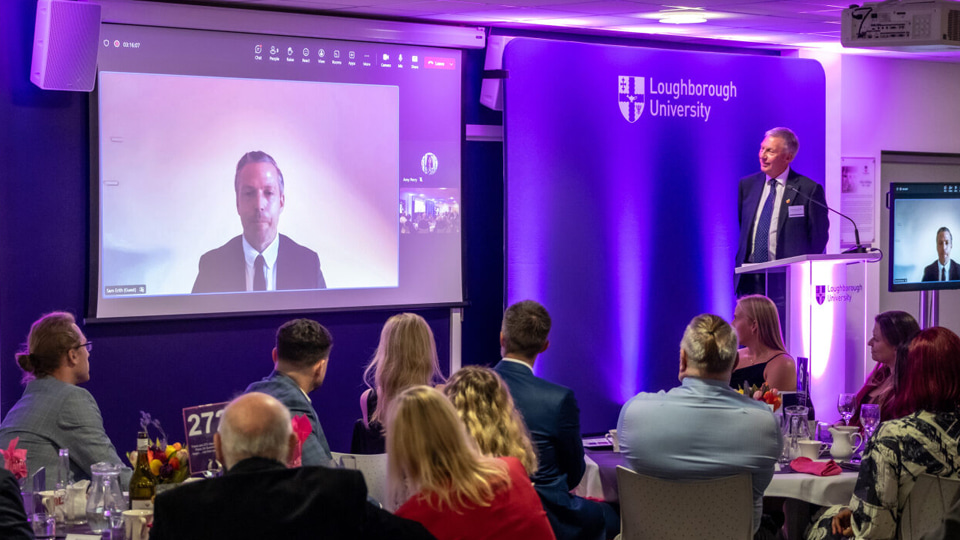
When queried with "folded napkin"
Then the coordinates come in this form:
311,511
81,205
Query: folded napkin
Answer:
816,468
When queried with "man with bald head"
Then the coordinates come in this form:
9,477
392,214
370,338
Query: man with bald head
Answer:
260,259
259,497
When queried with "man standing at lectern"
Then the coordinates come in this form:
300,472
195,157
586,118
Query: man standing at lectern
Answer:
781,213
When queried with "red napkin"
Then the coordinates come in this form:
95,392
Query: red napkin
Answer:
816,468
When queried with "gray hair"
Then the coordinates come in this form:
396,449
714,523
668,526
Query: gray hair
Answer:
789,139
710,344
256,430
256,156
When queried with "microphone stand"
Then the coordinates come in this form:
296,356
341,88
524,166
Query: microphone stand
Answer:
856,232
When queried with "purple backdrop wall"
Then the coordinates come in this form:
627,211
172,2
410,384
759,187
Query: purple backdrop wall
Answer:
625,225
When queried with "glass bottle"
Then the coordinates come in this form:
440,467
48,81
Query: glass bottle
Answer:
143,485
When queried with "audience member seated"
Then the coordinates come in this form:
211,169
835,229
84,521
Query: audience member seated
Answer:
890,330
484,404
552,417
259,497
54,412
702,429
925,441
406,356
457,492
763,358
13,519
300,365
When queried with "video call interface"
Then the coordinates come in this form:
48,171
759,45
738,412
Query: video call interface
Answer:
924,217
241,172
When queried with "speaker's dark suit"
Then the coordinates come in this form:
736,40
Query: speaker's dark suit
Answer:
224,269
932,272
552,416
260,498
795,236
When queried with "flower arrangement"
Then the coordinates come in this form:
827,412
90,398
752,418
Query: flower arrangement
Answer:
764,393
15,460
169,463
302,427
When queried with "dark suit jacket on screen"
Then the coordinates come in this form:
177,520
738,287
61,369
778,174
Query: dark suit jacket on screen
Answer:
932,272
315,450
260,498
224,270
795,236
552,416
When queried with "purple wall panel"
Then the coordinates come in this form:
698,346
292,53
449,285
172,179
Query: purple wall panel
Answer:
626,230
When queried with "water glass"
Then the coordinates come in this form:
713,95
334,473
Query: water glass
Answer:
44,525
870,418
845,406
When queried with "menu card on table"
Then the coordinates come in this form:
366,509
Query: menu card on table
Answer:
199,425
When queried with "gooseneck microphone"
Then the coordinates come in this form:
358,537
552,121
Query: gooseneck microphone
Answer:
856,232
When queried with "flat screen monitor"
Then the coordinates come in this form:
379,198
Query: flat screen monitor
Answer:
923,220
242,172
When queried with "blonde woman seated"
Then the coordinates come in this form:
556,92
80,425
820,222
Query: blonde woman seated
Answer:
486,408
457,492
763,358
406,356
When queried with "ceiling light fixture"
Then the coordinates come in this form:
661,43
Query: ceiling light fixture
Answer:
683,18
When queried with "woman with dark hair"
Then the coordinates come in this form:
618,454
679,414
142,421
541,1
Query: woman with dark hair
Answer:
891,329
54,412
923,442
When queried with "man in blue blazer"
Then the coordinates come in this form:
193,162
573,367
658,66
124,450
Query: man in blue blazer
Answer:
795,221
300,359
552,416
259,259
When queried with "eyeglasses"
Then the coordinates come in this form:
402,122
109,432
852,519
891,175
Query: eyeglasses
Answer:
88,346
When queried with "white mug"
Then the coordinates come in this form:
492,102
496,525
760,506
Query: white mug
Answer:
614,439
811,449
136,524
843,445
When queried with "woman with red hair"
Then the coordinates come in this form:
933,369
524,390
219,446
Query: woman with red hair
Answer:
924,441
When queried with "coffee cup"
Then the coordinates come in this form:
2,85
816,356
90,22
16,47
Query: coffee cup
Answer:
136,524
811,449
614,439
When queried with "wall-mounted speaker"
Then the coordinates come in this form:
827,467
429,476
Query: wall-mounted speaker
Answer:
65,45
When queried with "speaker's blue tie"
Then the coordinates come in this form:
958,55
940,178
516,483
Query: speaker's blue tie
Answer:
761,243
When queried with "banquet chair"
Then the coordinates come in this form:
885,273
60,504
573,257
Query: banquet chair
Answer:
653,508
927,504
374,469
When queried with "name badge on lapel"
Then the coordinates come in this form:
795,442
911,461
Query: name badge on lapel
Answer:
795,210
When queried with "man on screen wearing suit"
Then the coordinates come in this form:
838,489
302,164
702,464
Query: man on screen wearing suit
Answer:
552,416
777,222
944,268
300,365
259,259
259,497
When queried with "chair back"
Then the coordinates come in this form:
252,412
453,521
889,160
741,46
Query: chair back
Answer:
653,508
927,504
374,469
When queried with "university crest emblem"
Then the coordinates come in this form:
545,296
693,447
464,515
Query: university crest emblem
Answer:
631,97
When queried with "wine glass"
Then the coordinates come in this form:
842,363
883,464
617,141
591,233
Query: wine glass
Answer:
845,405
870,418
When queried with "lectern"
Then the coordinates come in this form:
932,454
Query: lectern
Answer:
826,318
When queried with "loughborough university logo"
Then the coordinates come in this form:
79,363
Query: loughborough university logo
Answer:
631,97
821,294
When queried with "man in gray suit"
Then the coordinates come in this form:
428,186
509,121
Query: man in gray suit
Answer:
300,359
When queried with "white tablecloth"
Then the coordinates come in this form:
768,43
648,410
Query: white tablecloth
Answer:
599,482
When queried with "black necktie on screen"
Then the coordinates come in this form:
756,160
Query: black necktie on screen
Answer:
761,243
260,274
943,273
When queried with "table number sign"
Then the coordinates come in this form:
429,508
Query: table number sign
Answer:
199,425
